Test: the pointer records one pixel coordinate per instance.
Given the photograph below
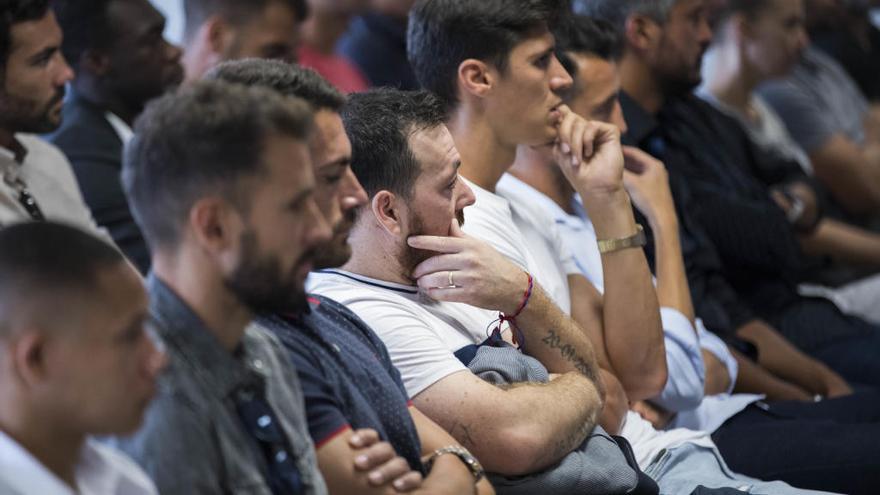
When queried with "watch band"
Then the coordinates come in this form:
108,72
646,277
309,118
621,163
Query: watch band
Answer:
462,453
636,240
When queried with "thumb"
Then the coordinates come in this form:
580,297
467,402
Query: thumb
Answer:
455,229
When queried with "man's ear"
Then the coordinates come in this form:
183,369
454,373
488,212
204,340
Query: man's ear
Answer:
28,353
214,224
217,33
475,78
387,212
641,32
94,62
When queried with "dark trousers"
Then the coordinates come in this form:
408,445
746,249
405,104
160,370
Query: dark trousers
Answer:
833,445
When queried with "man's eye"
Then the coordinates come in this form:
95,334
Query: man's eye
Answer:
333,179
543,61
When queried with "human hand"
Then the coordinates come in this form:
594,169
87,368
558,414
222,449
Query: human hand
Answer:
381,462
589,155
651,413
831,384
480,275
647,183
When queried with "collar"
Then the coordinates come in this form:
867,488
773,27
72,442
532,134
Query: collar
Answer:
192,341
641,123
372,282
17,152
22,472
122,129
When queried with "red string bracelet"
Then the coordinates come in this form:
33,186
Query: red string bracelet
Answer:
517,336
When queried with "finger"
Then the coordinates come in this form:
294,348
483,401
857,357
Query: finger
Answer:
375,456
408,482
440,280
449,294
389,471
590,138
363,438
577,141
435,243
565,128
633,160
455,230
439,264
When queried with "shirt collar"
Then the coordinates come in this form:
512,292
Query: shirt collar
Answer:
21,471
523,190
17,152
187,336
641,124
122,129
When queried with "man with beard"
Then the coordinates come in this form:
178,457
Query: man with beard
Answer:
219,30
347,378
38,183
741,251
220,181
121,62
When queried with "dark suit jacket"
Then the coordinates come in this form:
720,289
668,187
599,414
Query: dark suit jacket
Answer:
95,151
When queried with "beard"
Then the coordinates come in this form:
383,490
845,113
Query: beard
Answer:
337,251
259,283
23,115
411,257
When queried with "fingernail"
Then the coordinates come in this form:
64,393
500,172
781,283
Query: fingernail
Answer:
399,484
574,160
360,460
565,148
376,477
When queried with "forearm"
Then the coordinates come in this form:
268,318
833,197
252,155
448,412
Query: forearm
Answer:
672,285
616,404
633,331
556,340
780,357
753,379
843,241
448,476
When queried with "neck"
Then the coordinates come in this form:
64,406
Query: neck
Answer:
201,287
639,83
537,170
90,90
484,157
373,254
57,450
196,59
728,78
323,29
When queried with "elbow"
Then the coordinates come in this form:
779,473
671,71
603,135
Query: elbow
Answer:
531,445
646,383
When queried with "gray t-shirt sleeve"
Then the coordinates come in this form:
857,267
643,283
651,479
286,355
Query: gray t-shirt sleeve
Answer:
805,121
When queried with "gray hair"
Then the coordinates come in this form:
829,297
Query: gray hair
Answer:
617,11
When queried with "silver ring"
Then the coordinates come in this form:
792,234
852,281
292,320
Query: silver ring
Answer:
451,282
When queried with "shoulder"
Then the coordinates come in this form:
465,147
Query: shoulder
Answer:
121,467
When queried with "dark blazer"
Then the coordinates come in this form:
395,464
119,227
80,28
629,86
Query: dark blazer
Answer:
95,151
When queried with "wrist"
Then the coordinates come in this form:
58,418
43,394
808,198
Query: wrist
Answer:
612,216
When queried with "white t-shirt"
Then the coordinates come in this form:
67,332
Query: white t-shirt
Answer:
422,336
509,228
101,471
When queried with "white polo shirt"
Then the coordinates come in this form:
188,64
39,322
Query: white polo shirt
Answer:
101,470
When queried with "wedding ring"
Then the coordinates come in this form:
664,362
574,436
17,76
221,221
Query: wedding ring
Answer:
451,282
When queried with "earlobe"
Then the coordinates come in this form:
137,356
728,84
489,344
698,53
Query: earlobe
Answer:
384,208
215,32
475,78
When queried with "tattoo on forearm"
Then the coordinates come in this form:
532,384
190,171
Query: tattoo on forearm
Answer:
554,341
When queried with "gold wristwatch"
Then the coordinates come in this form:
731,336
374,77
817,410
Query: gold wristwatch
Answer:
636,240
462,453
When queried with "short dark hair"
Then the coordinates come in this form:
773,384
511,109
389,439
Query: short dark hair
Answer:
13,12
617,11
85,24
285,78
379,124
444,33
196,12
589,36
750,8
202,140
39,259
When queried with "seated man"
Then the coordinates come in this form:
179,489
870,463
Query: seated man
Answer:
220,181
335,354
702,371
87,366
431,341
38,183
218,30
121,62
321,31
